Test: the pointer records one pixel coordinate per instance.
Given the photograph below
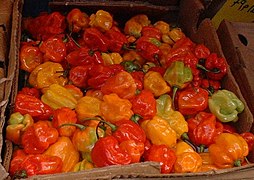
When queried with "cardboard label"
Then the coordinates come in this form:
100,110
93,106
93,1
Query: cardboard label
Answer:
235,10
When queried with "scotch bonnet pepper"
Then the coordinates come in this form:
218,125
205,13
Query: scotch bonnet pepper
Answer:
225,105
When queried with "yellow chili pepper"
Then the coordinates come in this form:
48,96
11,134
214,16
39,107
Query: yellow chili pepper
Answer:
46,74
175,34
154,82
64,149
88,107
111,58
175,119
57,96
187,162
229,150
102,20
159,131
207,163
182,147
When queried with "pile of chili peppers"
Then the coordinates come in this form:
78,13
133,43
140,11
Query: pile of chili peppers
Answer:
98,94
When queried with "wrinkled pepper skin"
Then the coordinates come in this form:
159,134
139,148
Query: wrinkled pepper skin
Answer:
154,82
175,119
38,137
192,100
26,104
134,149
162,154
158,131
24,165
57,96
113,108
225,105
30,56
182,147
229,150
88,107
202,129
144,104
46,74
64,149
77,20
249,138
102,20
187,162
107,151
121,84
17,124
61,116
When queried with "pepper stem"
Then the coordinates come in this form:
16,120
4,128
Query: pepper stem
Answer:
99,118
214,70
185,136
80,126
201,148
237,163
175,88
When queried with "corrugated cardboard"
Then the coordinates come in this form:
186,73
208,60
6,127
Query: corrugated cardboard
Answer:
188,17
237,40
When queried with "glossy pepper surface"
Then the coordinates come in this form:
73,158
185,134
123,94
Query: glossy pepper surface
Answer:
113,108
225,105
144,104
46,74
107,151
159,131
228,150
162,154
64,149
154,82
26,104
77,20
38,137
102,20
175,119
134,149
24,165
57,96
17,125
192,100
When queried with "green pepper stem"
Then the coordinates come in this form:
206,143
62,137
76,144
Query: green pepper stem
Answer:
185,136
214,70
80,126
237,163
201,148
98,118
175,88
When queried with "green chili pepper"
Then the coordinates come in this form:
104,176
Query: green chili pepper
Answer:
225,105
178,76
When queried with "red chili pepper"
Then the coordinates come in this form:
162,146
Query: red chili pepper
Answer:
202,129
77,20
249,138
129,130
37,138
117,40
139,79
26,104
162,154
148,50
46,25
150,31
211,85
54,49
95,40
158,69
107,151
84,56
201,51
30,56
144,104
78,75
23,165
30,91
62,116
227,128
192,100
100,73
216,66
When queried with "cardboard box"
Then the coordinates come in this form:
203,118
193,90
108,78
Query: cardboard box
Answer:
188,13
237,41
